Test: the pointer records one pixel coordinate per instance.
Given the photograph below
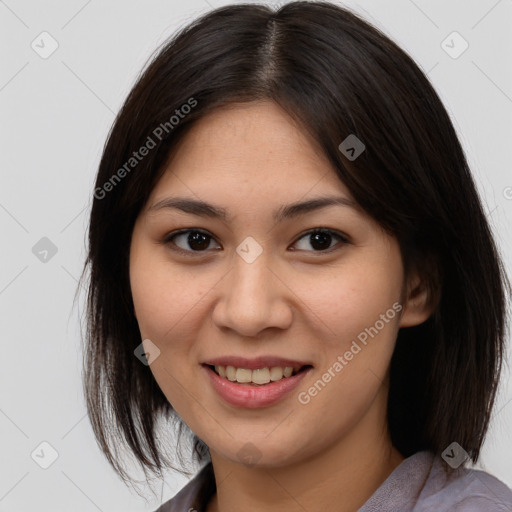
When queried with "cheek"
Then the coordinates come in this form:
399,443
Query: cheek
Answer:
162,294
165,300
353,297
362,309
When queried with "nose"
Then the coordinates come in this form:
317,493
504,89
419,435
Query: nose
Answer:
253,297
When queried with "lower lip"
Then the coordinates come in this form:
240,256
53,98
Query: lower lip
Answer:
243,395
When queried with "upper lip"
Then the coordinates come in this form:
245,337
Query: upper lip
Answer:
257,362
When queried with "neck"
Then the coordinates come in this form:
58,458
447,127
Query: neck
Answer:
341,478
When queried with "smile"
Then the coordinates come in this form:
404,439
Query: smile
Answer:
250,394
258,376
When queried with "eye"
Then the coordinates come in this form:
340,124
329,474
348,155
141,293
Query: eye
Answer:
190,241
193,238
321,238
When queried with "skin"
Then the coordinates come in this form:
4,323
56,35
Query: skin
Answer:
294,300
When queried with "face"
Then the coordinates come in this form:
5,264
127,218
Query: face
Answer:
256,290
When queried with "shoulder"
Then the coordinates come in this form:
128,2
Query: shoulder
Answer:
463,490
195,495
424,482
476,491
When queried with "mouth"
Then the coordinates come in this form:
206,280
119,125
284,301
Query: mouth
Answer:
254,383
260,376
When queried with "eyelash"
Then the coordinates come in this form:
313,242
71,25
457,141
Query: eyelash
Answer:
169,240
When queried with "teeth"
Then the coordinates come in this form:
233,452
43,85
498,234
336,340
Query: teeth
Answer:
230,373
259,376
243,375
276,373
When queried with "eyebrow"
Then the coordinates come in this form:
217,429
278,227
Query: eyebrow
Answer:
287,211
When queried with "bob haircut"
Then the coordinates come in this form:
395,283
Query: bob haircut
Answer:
336,75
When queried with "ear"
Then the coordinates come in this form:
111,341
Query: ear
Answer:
419,302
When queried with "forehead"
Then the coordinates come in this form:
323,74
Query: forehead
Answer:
253,145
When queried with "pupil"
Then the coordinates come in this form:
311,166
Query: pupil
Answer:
321,238
198,238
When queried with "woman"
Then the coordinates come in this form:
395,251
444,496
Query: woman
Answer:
290,260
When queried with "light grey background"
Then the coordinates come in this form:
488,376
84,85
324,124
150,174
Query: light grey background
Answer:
55,115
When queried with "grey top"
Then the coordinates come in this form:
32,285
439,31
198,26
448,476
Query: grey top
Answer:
421,483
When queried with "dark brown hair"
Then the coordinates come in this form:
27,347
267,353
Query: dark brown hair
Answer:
336,75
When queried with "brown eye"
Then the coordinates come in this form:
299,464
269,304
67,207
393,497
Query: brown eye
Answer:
321,240
189,241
